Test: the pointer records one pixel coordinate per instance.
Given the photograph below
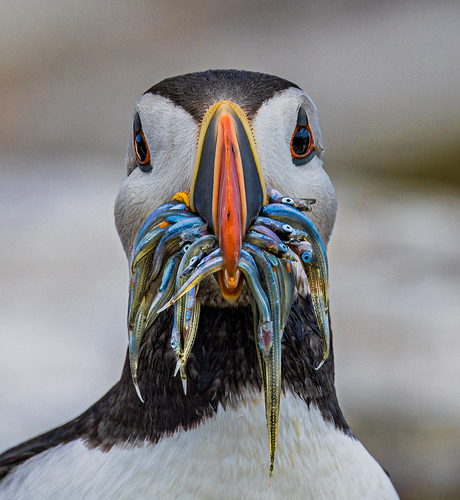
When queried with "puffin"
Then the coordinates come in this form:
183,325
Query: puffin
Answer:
224,144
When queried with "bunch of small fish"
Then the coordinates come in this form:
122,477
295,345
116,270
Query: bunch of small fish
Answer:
175,251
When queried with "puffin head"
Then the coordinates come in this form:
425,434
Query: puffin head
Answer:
223,136
218,164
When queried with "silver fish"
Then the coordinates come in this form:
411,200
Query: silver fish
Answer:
303,204
274,246
173,238
265,325
272,359
196,252
152,219
148,312
209,265
284,231
190,328
139,287
317,270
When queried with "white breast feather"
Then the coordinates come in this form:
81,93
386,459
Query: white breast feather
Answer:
225,458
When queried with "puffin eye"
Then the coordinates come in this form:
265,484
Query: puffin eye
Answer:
140,146
301,141
302,146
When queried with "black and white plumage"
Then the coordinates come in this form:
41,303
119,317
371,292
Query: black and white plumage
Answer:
210,442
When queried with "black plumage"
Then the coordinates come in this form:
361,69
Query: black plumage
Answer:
221,368
197,92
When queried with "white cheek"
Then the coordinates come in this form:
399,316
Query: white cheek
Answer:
129,206
308,181
171,134
273,127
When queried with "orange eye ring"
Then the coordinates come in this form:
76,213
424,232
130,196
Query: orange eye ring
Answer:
302,144
140,148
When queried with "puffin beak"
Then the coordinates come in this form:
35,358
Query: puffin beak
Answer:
227,190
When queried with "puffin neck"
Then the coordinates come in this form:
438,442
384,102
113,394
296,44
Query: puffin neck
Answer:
221,371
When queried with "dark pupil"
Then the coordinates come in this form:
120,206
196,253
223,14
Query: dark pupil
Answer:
141,147
301,141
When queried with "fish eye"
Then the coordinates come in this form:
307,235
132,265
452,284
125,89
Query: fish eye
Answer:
306,257
140,146
287,228
287,201
283,247
302,144
193,260
186,247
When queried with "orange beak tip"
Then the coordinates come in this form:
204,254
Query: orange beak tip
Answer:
232,292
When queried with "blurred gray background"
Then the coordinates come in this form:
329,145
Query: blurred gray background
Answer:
385,76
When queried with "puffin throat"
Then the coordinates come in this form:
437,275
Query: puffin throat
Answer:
227,190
